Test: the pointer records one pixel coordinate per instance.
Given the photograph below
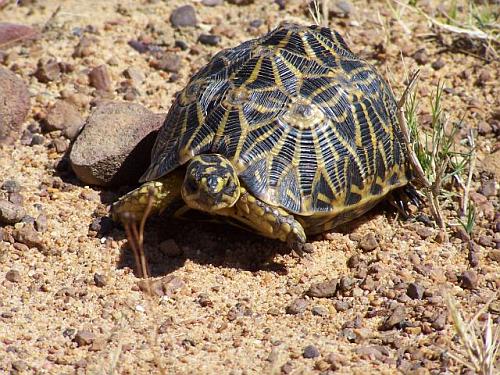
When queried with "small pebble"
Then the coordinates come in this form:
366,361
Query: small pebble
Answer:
297,307
60,145
100,280
212,3
326,289
12,33
181,44
415,291
209,39
47,70
64,116
353,261
100,79
319,311
37,140
169,62
439,321
184,16
342,8
468,279
20,366
281,4
395,318
346,284
84,337
424,232
484,77
11,186
84,47
310,351
342,305
488,188
28,236
134,74
494,255
438,64
421,57
368,242
13,276
10,213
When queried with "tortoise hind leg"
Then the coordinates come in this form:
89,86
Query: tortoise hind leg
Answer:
268,220
161,192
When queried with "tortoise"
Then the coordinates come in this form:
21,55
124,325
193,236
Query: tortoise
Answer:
289,134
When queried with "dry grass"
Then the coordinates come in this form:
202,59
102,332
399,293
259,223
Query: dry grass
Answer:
480,341
135,237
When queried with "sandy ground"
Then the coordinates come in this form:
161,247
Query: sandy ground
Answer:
232,303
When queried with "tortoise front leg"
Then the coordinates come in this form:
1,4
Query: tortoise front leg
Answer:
162,193
270,221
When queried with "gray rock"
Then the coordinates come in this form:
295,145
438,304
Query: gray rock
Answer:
184,16
14,106
65,117
115,145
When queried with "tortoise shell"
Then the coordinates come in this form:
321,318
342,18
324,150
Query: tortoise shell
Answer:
308,125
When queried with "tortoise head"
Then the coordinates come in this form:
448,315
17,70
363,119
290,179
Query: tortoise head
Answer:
210,183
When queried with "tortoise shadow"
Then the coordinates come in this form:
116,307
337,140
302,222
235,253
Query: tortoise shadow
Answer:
205,243
219,244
